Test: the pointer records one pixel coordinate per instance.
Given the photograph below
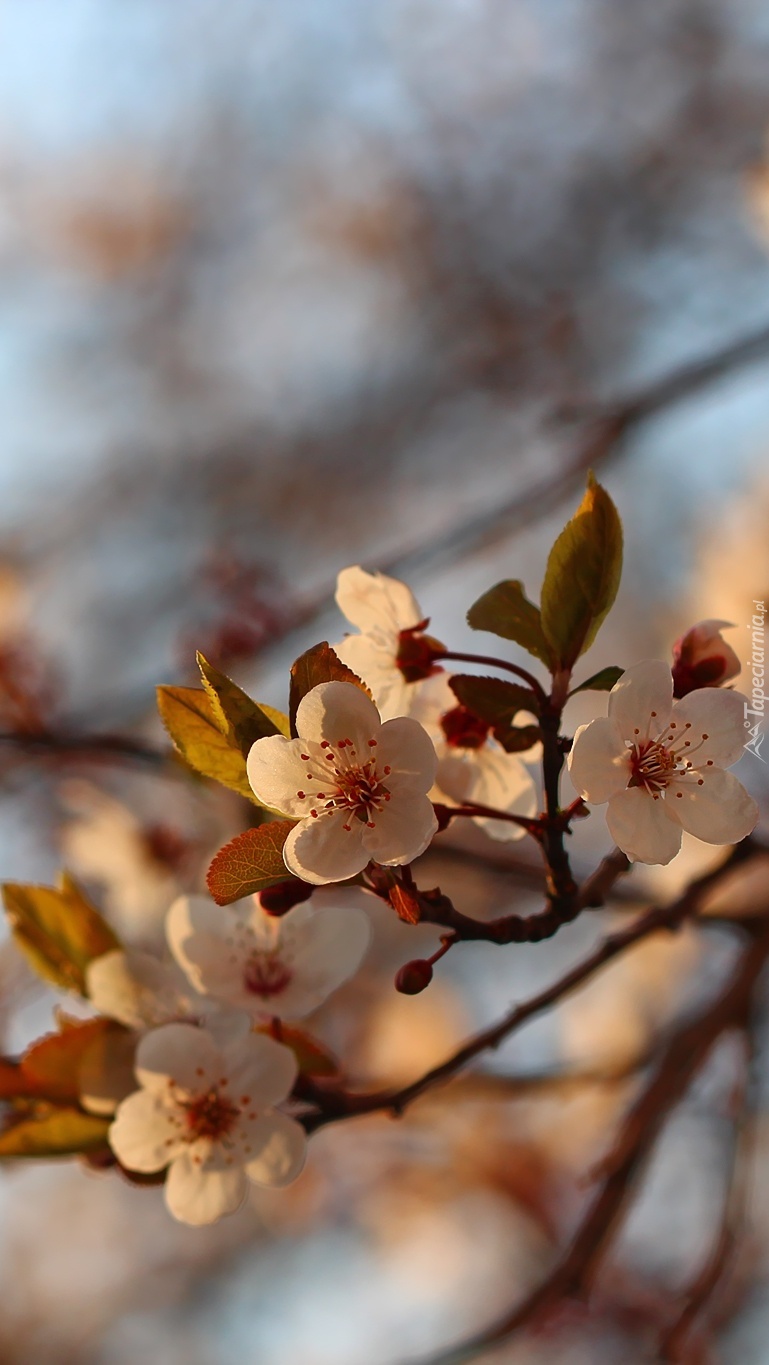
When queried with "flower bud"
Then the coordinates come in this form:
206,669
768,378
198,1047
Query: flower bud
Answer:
702,658
414,976
278,900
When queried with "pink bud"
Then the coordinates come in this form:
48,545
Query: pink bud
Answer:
702,658
413,978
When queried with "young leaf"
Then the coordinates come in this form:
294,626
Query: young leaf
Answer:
240,719
58,930
582,576
506,610
54,1132
50,1068
497,702
190,719
250,862
317,665
600,682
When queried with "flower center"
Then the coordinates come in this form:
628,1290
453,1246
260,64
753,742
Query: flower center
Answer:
416,653
265,975
463,729
655,763
209,1116
355,786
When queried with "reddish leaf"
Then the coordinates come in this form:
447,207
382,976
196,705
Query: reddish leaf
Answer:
250,862
50,1068
406,903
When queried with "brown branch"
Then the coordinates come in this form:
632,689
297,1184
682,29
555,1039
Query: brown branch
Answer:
333,1105
103,748
685,1053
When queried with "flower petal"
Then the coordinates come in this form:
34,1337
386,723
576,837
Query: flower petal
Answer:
181,1052
642,827
198,1196
277,771
405,746
720,811
330,949
401,831
599,763
145,1132
718,714
642,699
283,1144
338,710
321,851
261,1068
490,777
372,600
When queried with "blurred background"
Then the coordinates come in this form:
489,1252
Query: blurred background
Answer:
287,287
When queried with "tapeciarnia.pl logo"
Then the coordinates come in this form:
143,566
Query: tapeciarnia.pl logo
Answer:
755,708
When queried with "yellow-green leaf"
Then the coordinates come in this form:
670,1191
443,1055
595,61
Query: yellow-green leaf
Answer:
54,1131
318,665
242,720
58,930
600,682
189,718
582,576
506,610
250,862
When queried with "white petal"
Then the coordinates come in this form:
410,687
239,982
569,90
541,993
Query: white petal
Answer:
599,763
283,1144
642,699
720,811
500,780
198,1196
718,714
338,710
181,1052
146,1133
136,988
401,831
373,662
405,746
642,827
277,771
330,948
321,851
371,601
185,919
261,1068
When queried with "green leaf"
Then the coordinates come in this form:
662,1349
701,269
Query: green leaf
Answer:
506,610
498,702
600,682
240,719
54,1132
318,665
582,576
250,862
189,718
50,1068
58,930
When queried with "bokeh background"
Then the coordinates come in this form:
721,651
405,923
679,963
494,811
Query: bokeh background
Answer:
287,287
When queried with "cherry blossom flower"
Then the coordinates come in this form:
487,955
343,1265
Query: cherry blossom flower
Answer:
206,1112
473,767
358,788
702,658
392,654
661,765
254,961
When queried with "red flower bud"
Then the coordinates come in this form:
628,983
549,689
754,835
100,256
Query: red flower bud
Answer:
417,653
413,978
702,658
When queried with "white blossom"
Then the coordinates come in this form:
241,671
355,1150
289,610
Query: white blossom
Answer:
206,1112
661,765
281,966
357,788
391,625
474,768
